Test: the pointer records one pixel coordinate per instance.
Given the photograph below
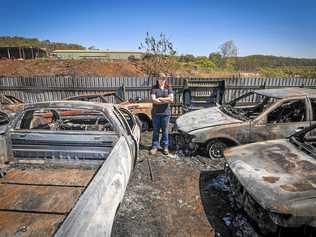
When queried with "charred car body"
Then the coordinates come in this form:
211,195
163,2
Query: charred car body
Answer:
9,103
275,181
141,109
256,116
67,166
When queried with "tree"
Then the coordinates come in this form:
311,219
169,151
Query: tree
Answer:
204,63
216,58
159,55
187,58
228,49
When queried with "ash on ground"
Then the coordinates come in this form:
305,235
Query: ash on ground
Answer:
185,196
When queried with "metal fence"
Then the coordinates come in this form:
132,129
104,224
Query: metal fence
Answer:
235,87
34,89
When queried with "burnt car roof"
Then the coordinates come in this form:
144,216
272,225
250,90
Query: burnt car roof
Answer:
281,93
70,104
90,96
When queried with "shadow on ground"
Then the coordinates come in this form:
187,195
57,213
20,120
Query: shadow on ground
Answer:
226,220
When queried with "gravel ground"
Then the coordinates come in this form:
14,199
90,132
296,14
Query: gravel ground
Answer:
185,198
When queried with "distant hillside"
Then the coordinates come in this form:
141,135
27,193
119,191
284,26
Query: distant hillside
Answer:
50,46
255,62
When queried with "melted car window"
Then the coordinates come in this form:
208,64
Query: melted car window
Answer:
291,111
65,119
248,106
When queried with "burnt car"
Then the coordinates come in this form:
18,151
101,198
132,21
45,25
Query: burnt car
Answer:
256,116
275,181
66,166
140,108
9,103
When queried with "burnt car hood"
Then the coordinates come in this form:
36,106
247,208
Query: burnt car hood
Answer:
203,118
278,176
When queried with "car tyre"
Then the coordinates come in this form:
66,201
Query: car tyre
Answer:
215,149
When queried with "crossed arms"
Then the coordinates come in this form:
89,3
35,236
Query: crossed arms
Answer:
162,100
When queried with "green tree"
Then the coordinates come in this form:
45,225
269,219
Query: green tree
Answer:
216,58
204,63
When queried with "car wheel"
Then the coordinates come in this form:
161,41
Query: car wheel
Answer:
215,149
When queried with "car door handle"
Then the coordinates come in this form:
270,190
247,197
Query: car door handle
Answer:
22,135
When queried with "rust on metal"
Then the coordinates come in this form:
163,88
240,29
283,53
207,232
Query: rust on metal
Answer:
9,103
270,179
68,177
38,198
28,224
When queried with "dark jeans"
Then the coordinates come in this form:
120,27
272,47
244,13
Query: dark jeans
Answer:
160,122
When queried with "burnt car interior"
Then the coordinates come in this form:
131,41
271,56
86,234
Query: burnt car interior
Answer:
64,119
248,106
291,111
306,140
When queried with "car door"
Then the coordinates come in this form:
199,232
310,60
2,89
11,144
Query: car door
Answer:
34,144
282,120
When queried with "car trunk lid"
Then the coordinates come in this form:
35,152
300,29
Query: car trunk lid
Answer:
275,173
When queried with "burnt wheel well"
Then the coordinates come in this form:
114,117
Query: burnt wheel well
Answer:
144,117
225,140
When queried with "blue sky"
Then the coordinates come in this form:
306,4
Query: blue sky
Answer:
279,27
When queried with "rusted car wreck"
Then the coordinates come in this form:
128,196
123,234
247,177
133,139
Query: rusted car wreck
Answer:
66,166
139,108
275,181
256,116
9,103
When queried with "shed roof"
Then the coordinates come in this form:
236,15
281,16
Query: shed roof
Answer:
95,51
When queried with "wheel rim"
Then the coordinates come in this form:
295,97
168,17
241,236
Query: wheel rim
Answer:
216,150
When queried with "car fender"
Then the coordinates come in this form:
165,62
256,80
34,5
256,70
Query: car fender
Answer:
232,132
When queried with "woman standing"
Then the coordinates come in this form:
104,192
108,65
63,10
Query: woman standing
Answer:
162,97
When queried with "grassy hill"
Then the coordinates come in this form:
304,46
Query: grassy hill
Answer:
50,46
254,62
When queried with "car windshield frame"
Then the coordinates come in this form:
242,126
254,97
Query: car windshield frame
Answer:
232,109
298,140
